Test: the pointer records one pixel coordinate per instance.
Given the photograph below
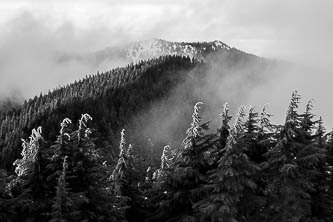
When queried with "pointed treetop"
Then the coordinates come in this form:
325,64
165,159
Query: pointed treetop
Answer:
293,105
122,145
195,129
309,106
225,115
307,123
264,122
239,121
252,121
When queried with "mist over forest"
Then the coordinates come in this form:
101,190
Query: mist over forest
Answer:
166,111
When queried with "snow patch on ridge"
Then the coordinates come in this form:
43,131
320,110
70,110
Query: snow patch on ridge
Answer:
148,49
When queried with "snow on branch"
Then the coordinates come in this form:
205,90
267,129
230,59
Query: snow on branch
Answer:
29,153
195,129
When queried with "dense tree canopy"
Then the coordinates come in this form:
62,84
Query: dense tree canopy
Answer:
87,167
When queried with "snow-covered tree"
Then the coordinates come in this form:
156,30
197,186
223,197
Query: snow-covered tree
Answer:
224,130
292,115
29,152
83,130
238,126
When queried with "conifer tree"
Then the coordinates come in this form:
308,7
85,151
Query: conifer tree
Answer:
292,115
256,131
238,127
228,183
224,129
292,165
322,200
251,124
265,126
30,183
255,140
90,192
59,150
251,133
186,175
320,132
166,161
62,202
120,178
29,152
307,123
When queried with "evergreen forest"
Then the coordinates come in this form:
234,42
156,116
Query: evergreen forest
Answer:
81,152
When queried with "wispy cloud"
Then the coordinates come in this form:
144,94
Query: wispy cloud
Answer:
34,31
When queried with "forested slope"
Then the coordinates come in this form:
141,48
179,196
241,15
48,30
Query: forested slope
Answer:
111,97
248,170
118,97
122,146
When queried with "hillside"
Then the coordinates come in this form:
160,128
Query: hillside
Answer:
122,145
111,97
127,96
149,49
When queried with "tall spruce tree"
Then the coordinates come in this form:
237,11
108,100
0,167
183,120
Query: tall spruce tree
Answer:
292,166
62,203
121,178
322,196
228,183
224,129
183,185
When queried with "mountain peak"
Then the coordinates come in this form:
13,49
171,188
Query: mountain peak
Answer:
148,49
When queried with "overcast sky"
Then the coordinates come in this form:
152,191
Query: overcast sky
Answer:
263,27
32,31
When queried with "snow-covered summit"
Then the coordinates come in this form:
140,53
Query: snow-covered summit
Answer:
147,49
157,47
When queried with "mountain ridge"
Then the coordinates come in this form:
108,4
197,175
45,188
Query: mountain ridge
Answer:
149,49
157,47
110,88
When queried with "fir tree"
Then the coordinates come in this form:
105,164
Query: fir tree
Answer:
265,126
292,165
120,179
322,201
238,127
183,184
320,132
228,183
224,129
292,115
62,203
307,123
29,152
166,161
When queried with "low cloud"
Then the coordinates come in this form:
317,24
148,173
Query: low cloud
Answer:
34,34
